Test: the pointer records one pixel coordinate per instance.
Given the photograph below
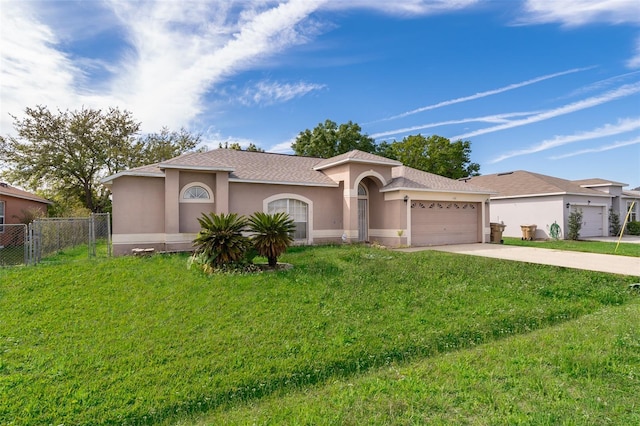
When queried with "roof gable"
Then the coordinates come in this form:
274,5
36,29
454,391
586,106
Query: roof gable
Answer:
355,156
408,178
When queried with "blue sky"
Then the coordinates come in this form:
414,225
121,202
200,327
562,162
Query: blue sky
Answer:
549,86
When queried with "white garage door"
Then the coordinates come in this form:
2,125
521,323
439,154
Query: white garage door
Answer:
437,223
592,221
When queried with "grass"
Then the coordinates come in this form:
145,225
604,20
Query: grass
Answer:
585,371
146,341
623,249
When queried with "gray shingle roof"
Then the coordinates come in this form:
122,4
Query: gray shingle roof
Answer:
521,183
413,179
12,191
261,167
255,166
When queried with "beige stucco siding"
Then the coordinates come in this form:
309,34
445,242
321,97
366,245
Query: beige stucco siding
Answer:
189,214
138,205
245,198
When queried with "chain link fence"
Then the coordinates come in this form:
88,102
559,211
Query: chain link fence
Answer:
48,236
14,249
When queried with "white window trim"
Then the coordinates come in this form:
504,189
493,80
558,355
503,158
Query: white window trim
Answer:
196,200
265,209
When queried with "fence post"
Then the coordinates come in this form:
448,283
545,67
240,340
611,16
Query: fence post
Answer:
92,234
109,253
26,244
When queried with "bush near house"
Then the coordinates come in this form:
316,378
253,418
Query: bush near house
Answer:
575,224
272,234
221,244
633,228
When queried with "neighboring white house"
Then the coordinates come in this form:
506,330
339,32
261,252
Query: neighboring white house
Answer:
527,198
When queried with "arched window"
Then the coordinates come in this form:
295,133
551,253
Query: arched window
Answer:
297,210
196,192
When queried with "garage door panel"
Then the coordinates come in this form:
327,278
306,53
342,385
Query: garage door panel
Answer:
435,223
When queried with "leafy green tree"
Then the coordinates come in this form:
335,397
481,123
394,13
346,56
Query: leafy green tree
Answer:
157,147
220,241
68,152
328,140
235,145
435,154
272,234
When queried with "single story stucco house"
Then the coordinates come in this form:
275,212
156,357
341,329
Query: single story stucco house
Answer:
526,198
352,197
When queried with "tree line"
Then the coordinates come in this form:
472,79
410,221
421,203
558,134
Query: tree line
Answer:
63,155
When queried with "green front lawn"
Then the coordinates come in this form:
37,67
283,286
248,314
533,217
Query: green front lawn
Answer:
622,249
146,341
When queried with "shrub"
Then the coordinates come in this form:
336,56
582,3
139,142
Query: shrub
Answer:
272,234
633,228
575,224
220,241
614,222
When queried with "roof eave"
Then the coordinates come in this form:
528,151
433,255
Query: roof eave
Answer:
109,179
550,194
454,191
198,168
275,182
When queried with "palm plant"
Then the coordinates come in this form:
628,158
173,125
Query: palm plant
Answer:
220,241
272,234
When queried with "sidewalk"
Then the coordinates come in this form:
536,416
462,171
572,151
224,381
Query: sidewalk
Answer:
613,264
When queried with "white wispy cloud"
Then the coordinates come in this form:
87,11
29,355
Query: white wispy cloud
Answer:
180,51
601,84
282,147
32,70
270,92
404,7
622,126
496,118
486,93
620,92
634,61
175,53
604,148
581,12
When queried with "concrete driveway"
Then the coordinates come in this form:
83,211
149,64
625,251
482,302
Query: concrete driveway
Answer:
613,264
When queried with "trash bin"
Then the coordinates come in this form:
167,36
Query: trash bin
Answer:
528,232
496,232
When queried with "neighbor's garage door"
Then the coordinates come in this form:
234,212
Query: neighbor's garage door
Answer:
437,223
592,225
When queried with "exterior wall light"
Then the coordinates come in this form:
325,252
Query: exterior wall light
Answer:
568,205
406,198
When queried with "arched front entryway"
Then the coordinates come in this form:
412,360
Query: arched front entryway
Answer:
363,212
